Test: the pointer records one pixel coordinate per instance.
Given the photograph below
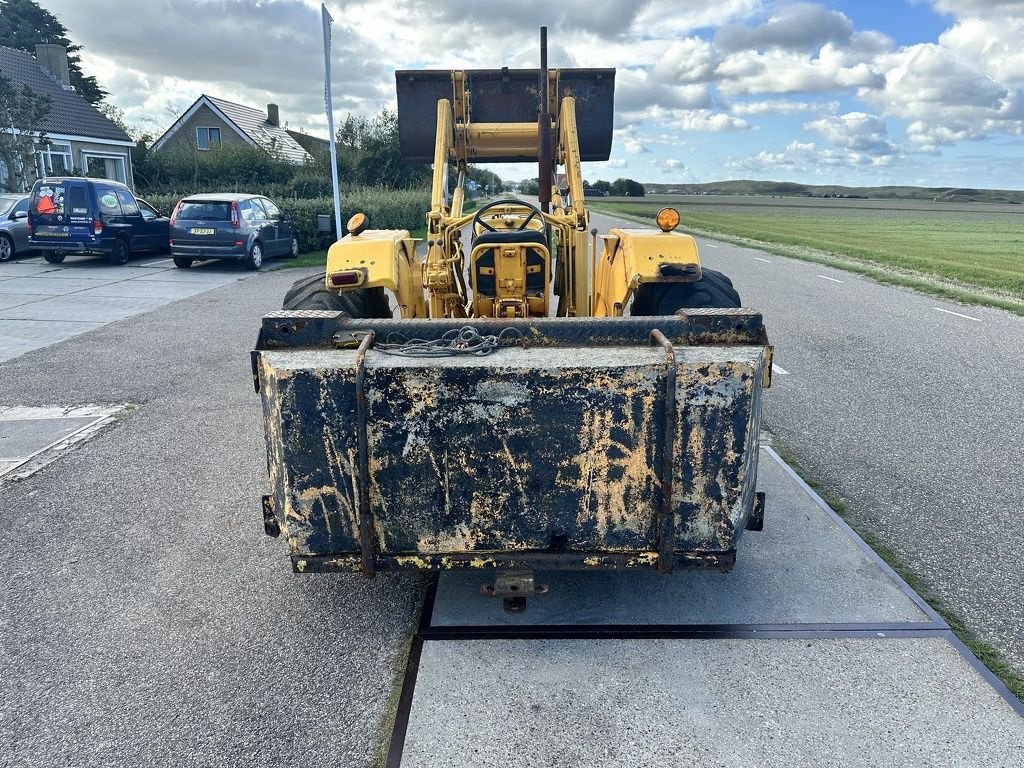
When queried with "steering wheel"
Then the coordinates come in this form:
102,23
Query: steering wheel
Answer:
534,211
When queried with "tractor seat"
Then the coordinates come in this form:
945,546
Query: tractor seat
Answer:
505,236
535,259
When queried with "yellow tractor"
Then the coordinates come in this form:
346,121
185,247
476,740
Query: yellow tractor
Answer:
523,396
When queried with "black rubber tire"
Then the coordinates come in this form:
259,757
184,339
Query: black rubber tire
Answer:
293,248
53,257
121,253
6,247
254,259
182,263
714,289
311,293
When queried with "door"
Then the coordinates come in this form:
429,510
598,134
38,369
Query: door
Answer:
19,226
141,235
280,244
157,227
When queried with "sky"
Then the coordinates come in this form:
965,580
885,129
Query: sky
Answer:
852,92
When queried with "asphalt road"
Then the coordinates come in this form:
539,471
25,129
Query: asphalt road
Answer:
146,620
907,407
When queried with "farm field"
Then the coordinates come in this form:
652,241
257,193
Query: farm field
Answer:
973,244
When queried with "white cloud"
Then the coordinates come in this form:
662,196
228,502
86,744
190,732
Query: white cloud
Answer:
777,71
690,60
855,131
634,147
963,8
796,27
782,107
706,120
671,165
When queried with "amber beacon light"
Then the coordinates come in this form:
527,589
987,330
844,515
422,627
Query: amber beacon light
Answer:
668,219
360,221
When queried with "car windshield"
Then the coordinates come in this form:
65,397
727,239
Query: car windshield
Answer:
7,202
205,210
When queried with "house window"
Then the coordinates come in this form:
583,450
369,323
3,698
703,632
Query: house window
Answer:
101,165
54,159
208,138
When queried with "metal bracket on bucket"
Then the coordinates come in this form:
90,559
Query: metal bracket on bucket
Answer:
365,514
513,587
666,515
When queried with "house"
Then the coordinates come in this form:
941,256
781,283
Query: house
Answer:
80,138
212,123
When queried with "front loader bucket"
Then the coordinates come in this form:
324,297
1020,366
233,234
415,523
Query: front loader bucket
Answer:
591,448
504,96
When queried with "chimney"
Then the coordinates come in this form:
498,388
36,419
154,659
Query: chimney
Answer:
54,59
273,115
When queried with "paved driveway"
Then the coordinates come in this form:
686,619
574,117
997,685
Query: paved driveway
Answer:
42,303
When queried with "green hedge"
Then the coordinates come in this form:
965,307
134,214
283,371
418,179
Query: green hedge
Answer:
387,209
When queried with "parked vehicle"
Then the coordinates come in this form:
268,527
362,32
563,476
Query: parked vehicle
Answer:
246,228
13,226
80,215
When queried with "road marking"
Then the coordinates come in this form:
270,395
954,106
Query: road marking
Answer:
764,260
710,245
778,370
823,277
965,317
153,263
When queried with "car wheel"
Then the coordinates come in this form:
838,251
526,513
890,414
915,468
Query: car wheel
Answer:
293,249
713,289
54,257
121,253
311,293
6,248
182,263
255,258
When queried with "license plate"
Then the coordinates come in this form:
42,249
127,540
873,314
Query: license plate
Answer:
203,231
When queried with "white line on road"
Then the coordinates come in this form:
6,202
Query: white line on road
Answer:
154,263
965,317
778,370
764,260
710,245
823,277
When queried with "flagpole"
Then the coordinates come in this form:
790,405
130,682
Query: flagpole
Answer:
327,20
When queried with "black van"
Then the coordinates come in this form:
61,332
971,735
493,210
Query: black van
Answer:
79,215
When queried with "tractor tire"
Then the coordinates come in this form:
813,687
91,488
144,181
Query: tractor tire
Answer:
53,257
713,290
311,293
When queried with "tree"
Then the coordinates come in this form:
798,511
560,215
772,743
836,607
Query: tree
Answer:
23,24
21,114
604,186
369,153
627,188
529,186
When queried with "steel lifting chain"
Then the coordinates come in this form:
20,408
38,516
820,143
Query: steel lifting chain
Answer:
464,341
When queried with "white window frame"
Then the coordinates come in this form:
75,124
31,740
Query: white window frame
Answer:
45,155
209,129
89,154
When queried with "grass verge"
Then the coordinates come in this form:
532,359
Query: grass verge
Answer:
987,654
888,273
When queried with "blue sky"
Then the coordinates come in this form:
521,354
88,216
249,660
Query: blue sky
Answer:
923,92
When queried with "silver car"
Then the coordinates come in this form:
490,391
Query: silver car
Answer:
13,225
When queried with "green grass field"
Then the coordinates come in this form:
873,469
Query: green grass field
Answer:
973,245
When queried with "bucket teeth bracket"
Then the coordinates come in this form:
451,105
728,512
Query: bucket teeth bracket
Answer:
513,587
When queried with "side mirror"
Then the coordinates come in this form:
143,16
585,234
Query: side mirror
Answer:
19,215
